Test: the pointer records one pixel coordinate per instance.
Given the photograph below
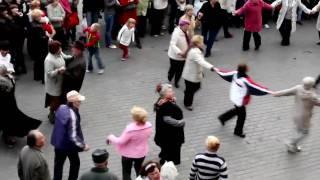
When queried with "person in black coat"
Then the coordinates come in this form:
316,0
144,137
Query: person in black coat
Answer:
13,123
169,125
4,22
75,70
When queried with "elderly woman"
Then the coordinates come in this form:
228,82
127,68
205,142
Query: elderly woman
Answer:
193,70
37,44
133,142
209,165
188,16
305,100
177,49
13,123
169,125
287,18
54,68
56,15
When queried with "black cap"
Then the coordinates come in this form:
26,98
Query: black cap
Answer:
100,155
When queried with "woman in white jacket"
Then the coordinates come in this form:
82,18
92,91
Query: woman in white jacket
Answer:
314,10
287,18
193,70
178,46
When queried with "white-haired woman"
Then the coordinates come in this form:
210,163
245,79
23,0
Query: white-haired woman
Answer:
169,125
132,145
193,70
305,100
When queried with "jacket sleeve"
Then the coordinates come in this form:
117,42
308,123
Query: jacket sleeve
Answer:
120,33
266,6
123,139
133,35
173,43
317,7
73,134
223,171
255,89
241,10
174,122
50,69
201,61
287,92
303,7
194,170
276,3
226,75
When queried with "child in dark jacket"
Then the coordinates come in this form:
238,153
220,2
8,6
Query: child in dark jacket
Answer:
93,45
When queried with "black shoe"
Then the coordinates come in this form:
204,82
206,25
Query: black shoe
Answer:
300,23
51,118
221,121
190,108
139,46
207,55
245,49
285,43
176,85
242,135
318,43
257,48
228,36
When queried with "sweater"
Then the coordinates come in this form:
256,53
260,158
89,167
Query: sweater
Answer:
193,68
93,38
133,142
178,44
126,35
56,15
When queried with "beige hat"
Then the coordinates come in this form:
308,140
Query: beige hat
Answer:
74,96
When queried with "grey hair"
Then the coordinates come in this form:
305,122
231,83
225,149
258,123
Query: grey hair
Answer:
164,88
308,82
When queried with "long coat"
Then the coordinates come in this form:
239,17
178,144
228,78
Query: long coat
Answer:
13,122
124,15
317,8
305,100
284,9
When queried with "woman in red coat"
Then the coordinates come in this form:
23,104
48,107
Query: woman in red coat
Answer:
252,11
128,9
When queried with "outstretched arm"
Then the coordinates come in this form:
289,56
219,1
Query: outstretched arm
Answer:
224,74
255,88
286,92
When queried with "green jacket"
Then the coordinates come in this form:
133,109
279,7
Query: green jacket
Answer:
98,174
143,7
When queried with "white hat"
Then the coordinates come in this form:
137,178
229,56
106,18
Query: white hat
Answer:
74,96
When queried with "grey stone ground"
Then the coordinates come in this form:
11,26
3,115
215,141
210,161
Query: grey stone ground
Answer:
261,156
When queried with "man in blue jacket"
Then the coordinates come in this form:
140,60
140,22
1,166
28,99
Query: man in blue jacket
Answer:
67,137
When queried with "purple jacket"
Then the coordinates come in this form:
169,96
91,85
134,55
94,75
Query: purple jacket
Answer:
67,134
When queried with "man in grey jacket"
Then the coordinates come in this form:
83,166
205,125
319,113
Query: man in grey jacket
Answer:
305,100
32,164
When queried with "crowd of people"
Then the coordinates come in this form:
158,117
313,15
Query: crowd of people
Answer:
50,28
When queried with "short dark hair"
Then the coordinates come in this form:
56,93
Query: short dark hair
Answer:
149,167
242,69
31,139
4,45
54,47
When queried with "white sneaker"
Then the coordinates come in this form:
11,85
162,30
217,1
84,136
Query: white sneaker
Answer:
112,46
88,71
123,59
266,26
161,34
101,71
155,35
293,148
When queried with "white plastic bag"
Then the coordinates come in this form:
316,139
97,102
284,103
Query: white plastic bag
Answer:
168,171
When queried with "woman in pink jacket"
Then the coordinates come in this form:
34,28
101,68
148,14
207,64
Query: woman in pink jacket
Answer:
252,11
132,145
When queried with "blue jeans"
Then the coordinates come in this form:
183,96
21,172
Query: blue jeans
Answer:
209,36
94,51
92,17
109,24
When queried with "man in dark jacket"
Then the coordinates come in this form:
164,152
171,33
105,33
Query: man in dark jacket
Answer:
210,16
100,171
67,137
91,10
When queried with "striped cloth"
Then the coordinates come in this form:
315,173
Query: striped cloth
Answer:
208,166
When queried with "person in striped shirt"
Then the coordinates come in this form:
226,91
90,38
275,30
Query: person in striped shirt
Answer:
208,165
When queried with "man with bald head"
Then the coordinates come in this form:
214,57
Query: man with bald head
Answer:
32,164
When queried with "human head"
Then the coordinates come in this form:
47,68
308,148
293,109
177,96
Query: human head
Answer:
165,91
54,47
4,47
197,40
95,27
74,98
139,115
212,143
131,23
100,158
55,2
184,25
308,82
35,139
3,70
242,68
36,15
14,9
77,48
35,4
189,10
213,1
151,169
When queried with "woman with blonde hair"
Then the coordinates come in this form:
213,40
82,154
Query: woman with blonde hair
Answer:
193,70
188,16
132,145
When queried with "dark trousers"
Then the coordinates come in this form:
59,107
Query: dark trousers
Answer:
59,159
266,16
175,70
17,55
127,166
71,34
170,152
285,31
156,22
319,34
60,36
38,68
247,37
225,23
191,89
209,35
236,111
142,26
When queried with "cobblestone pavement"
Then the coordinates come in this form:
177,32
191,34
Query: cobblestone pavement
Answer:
260,156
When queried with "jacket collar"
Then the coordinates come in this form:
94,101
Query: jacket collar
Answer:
99,170
134,127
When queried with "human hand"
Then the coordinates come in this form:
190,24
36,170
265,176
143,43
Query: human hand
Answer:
86,147
62,69
200,15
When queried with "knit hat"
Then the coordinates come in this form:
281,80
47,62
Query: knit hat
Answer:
184,22
100,155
